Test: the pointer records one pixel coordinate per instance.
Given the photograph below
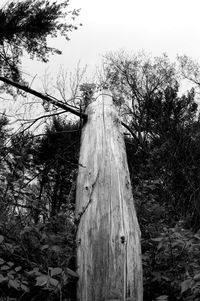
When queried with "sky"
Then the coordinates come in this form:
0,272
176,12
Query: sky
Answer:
155,26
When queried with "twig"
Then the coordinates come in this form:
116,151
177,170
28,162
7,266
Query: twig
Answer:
57,103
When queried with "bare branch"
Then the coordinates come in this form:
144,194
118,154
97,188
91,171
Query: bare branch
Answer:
44,97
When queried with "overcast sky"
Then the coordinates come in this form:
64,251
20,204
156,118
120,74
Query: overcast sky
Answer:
156,26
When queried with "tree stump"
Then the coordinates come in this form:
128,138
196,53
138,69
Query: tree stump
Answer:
108,235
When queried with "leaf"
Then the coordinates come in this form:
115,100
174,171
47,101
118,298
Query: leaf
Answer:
41,280
178,243
34,272
197,277
1,238
25,282
186,285
11,273
160,245
56,249
10,263
2,261
17,269
14,283
145,257
165,278
44,247
55,271
197,236
5,268
9,247
53,282
157,276
162,298
2,278
25,288
157,239
72,273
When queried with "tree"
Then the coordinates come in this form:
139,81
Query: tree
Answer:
25,27
35,236
190,69
136,81
164,143
4,136
56,159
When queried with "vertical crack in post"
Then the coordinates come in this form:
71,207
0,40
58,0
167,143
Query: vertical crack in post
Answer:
123,238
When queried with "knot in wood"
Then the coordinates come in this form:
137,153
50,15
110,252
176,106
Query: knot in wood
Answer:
122,239
78,242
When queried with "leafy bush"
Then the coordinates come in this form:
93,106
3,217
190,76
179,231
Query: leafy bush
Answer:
171,252
37,262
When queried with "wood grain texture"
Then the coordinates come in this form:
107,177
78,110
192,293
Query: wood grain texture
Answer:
108,235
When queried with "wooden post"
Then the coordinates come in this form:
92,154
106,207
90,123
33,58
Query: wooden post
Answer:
108,235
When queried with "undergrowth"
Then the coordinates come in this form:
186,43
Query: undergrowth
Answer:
170,250
37,262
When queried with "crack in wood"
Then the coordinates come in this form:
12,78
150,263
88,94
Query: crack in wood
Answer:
78,219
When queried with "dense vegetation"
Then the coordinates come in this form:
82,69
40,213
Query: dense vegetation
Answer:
36,229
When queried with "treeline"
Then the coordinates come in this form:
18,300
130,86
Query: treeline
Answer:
163,147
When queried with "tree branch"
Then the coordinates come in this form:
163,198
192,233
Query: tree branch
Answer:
135,136
130,130
44,97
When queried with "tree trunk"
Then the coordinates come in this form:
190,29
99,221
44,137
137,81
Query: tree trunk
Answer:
108,235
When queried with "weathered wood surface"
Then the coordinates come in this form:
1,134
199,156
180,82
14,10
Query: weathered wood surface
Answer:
108,236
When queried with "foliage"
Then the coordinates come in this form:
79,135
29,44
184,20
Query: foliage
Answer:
190,69
56,158
38,174
148,89
36,261
164,141
170,250
37,233
87,92
163,156
25,26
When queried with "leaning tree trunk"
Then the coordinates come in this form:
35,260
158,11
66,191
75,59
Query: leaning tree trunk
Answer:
108,235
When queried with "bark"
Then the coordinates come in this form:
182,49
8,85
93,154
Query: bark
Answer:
108,235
